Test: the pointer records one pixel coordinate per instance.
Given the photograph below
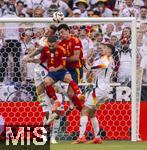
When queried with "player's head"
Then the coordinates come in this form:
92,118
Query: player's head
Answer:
51,30
64,31
109,49
101,49
52,43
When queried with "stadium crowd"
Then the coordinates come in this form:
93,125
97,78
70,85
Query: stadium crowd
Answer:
22,39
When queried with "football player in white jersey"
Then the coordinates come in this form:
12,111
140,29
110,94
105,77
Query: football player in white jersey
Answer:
103,68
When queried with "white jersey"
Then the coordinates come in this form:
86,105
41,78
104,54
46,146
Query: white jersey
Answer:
102,82
39,71
103,75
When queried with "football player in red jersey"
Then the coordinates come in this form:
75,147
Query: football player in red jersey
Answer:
74,51
56,60
55,56
74,62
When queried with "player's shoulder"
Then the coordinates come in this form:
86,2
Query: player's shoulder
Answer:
61,48
45,48
75,39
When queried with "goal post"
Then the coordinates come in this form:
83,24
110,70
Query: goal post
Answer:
79,21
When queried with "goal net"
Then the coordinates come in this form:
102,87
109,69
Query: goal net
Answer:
118,115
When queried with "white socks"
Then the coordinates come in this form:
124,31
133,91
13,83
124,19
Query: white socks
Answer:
44,97
95,126
55,128
46,102
83,124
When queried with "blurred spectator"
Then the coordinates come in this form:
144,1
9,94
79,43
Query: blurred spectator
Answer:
33,4
145,2
143,13
11,46
115,13
38,12
90,13
20,9
124,71
115,55
86,43
109,30
52,8
76,13
144,67
111,4
102,10
60,6
3,7
126,35
129,10
114,40
120,4
70,3
82,5
21,15
143,48
99,40
143,52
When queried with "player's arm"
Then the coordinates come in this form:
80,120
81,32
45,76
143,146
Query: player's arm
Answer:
30,56
103,65
74,57
36,52
33,60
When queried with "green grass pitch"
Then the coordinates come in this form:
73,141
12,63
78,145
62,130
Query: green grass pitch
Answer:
67,145
106,145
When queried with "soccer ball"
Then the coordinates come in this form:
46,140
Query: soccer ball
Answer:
58,17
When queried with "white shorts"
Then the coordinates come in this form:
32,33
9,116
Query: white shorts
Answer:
49,104
100,94
40,74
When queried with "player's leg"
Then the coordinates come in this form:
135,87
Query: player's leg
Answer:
83,123
76,75
95,124
56,123
49,81
74,91
40,74
55,129
93,99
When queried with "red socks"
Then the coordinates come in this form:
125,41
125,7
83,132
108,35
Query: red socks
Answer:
77,102
51,92
75,87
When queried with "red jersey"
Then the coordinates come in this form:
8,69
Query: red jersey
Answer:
54,59
71,45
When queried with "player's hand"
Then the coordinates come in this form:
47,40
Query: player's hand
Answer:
25,58
52,69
